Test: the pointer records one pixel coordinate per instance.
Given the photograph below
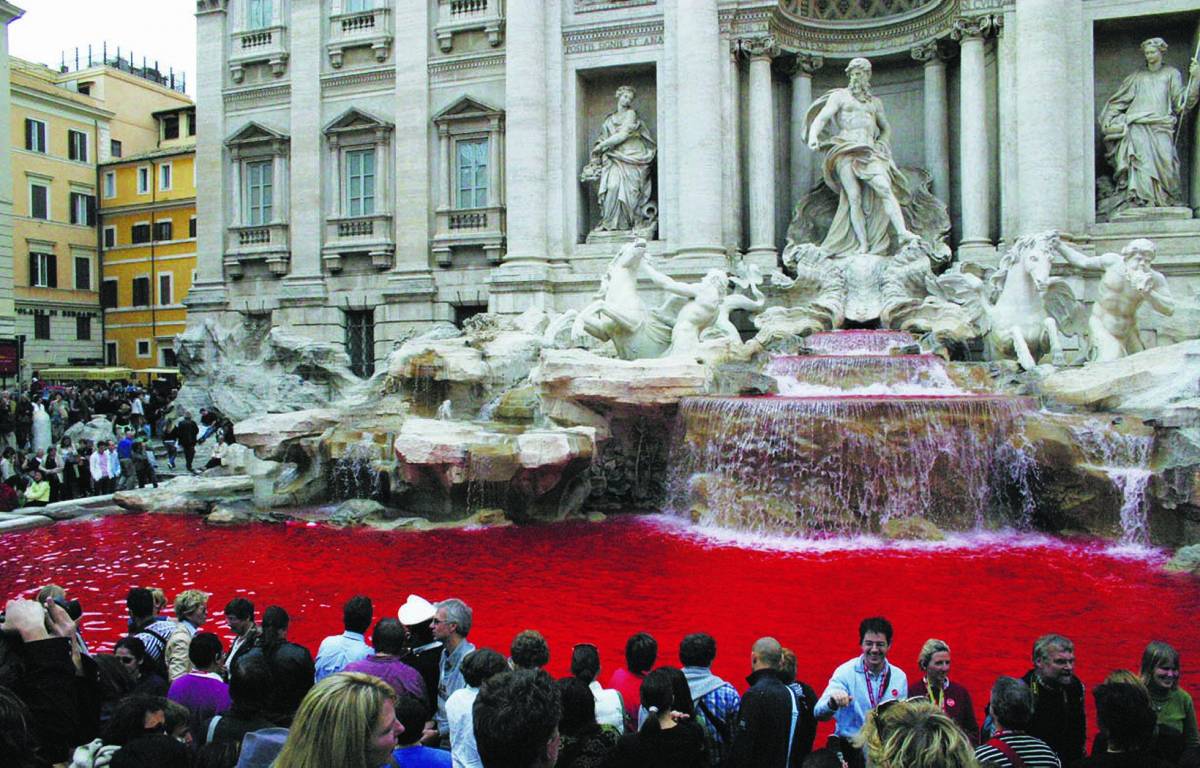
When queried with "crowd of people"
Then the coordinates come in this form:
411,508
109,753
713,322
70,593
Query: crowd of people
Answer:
39,466
420,693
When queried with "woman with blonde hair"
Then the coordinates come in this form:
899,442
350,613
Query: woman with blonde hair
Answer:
914,734
936,686
1176,714
348,720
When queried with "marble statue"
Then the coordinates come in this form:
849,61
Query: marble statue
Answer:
620,163
705,300
1128,280
617,314
723,327
1138,124
850,126
1021,308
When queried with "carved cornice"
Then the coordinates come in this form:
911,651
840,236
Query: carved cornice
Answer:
934,50
613,36
441,70
384,76
587,6
981,26
245,98
210,6
759,47
804,64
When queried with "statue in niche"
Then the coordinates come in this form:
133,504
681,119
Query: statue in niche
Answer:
1128,280
850,126
1138,124
620,164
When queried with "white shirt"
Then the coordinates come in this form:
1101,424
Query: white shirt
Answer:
463,752
609,708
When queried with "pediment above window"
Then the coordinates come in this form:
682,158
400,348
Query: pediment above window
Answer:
355,120
467,108
256,134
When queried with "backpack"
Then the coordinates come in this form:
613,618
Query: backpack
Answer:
718,749
160,664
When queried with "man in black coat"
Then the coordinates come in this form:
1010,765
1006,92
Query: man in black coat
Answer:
186,433
1058,718
772,725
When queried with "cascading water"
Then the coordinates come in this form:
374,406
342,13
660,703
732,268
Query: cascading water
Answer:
1125,458
355,474
876,438
858,342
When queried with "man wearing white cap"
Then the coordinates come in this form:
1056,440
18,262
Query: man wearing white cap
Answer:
424,652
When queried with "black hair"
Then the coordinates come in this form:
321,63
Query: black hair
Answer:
204,650
697,650
585,662
240,608
529,650
481,664
274,623
250,682
18,745
875,624
411,712
129,718
640,652
1125,715
578,707
823,758
515,716
388,637
140,603
357,613
657,694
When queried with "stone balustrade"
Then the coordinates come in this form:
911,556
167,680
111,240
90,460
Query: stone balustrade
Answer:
267,45
372,27
464,15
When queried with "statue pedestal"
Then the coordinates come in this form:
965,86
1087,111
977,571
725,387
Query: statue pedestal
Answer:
1152,214
621,236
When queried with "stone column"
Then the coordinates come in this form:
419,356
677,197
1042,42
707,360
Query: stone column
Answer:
937,122
732,125
306,211
697,50
971,31
1044,91
526,115
409,284
761,155
212,193
446,174
801,176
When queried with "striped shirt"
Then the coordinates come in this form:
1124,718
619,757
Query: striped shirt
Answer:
154,637
1035,752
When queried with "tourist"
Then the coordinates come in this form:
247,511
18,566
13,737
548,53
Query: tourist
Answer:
386,664
153,751
859,685
143,465
220,448
641,650
125,459
9,500
185,435
336,651
585,665
191,611
1127,720
291,665
1176,714
914,734
98,466
451,625
421,651
765,730
664,740
585,743
806,700
478,666
179,721
330,723
529,650
935,685
152,630
113,681
131,652
18,745
239,616
70,472
716,702
411,713
1058,715
1010,746
249,696
823,758
37,494
201,689
116,477
52,470
516,720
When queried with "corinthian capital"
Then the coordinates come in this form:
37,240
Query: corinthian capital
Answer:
981,26
931,51
805,64
759,47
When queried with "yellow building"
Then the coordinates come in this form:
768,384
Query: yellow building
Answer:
148,240
55,136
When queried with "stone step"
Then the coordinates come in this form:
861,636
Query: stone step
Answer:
10,522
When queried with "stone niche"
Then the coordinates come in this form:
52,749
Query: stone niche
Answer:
1116,54
597,99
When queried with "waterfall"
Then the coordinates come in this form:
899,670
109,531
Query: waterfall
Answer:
1125,459
858,342
832,375
355,474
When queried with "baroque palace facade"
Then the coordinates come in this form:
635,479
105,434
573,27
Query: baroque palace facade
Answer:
367,167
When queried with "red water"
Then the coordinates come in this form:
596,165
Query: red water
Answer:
600,582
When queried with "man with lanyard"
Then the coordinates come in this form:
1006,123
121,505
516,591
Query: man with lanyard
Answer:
451,625
860,685
1010,747
1058,716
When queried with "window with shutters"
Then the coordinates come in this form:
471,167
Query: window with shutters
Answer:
472,168
110,184
258,193
39,200
143,347
164,177
108,293
139,233
192,227
143,180
35,135
110,237
165,283
43,270
360,182
83,329
163,230
83,209
360,341
83,273
41,325
141,291
170,125
114,148
77,145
